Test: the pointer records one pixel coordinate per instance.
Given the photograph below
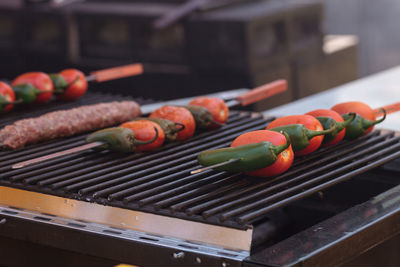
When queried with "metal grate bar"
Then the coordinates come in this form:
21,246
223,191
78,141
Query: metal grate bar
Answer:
207,187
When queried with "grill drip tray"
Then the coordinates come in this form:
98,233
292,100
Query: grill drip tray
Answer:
154,192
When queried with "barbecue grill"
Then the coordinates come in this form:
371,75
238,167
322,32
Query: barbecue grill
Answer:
129,208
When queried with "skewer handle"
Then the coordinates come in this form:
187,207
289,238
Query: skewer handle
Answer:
115,73
262,92
57,155
388,108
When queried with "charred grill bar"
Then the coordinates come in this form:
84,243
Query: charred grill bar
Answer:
150,202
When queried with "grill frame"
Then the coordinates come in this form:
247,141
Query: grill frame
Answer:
364,141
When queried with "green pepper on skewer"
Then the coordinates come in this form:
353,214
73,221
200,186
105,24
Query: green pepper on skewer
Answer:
118,139
202,116
60,84
300,136
170,128
26,93
359,126
243,158
329,122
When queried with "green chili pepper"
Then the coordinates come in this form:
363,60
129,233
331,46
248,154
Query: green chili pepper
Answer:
299,135
359,126
60,84
26,92
170,128
328,123
4,102
243,158
202,116
118,139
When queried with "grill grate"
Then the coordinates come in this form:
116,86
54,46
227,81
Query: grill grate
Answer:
160,182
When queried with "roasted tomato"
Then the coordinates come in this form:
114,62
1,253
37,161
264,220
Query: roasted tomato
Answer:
76,84
334,115
284,160
41,81
310,123
217,107
180,115
144,131
6,96
357,107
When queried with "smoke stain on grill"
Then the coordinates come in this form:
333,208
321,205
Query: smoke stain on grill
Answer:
160,182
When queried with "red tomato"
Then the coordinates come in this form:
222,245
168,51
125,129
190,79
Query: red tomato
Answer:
284,160
360,108
217,107
334,115
6,95
180,115
40,81
77,84
309,122
144,131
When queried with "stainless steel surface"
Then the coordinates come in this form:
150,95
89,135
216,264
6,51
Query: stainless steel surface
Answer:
340,238
376,90
180,245
136,220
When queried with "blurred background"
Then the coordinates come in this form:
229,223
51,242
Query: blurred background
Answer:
207,46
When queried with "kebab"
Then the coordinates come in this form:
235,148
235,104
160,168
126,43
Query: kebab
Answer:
304,138
69,84
245,99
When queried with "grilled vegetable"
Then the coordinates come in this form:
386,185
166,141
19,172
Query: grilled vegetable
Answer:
306,132
7,97
328,118
179,115
144,131
216,106
202,117
70,84
34,87
118,139
357,107
285,158
169,128
250,156
360,126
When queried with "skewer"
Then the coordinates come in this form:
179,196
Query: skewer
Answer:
214,166
247,98
57,154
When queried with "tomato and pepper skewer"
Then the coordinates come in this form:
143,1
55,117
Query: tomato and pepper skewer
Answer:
69,84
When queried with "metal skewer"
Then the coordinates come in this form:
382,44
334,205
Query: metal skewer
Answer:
57,154
247,98
214,166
